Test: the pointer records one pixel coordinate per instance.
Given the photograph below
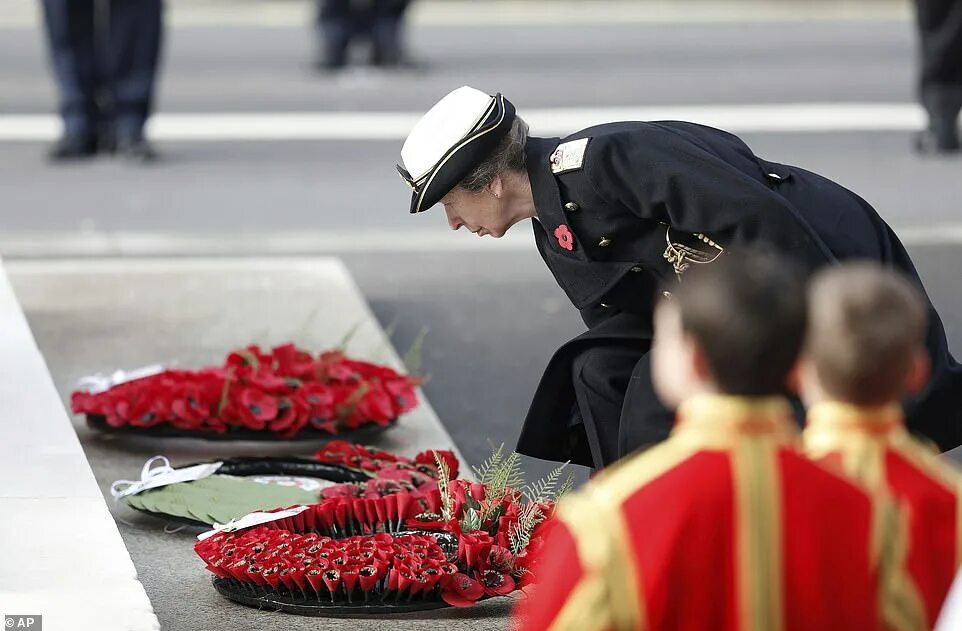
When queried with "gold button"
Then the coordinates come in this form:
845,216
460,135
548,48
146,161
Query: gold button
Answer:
637,268
666,294
605,242
571,207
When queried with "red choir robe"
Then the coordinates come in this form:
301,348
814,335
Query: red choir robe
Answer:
724,526
873,445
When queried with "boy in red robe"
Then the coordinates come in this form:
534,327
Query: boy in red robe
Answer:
865,352
725,525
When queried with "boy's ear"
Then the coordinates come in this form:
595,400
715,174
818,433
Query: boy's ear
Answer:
919,373
700,364
794,379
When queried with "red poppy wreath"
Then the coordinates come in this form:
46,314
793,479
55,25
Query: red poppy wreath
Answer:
278,394
452,546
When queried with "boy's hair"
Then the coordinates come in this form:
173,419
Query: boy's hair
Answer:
867,323
747,314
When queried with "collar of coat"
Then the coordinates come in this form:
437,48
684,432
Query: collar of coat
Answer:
721,420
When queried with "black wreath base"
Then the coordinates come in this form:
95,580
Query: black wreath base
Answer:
372,604
362,434
299,467
282,599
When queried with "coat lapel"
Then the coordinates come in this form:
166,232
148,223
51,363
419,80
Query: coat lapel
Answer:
584,281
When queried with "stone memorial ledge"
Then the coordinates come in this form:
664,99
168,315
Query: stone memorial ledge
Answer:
64,558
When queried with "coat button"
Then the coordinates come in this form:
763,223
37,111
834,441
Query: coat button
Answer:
666,294
637,268
571,207
605,242
605,305
774,176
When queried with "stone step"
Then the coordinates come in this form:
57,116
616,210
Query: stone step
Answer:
64,559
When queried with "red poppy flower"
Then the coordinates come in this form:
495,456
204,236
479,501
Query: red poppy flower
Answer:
500,559
290,360
318,398
376,404
473,547
460,590
256,407
495,583
291,417
565,239
447,456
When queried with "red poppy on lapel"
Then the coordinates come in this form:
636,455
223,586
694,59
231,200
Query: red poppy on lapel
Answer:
564,237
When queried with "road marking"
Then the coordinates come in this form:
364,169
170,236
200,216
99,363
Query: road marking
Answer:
285,126
24,14
32,245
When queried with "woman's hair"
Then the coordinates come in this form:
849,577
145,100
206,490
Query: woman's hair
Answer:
508,156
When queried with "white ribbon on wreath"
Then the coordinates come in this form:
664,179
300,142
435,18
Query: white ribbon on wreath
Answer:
252,519
157,472
101,383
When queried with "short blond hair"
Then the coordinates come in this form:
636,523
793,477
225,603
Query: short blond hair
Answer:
866,324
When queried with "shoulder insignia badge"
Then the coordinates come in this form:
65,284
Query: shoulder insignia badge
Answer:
569,156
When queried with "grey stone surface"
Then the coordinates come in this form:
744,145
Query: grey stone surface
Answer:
61,549
96,318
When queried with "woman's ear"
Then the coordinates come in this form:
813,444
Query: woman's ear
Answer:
496,187
919,372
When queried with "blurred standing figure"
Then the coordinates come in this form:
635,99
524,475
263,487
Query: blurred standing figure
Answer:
342,21
940,30
104,55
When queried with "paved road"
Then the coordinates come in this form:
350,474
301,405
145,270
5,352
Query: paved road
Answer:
319,186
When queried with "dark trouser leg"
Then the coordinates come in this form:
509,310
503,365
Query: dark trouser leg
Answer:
644,420
73,48
386,31
940,31
135,36
335,26
600,377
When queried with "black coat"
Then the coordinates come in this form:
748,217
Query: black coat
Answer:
641,185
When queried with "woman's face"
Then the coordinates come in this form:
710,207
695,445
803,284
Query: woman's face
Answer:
481,212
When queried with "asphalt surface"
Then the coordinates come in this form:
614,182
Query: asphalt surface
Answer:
495,314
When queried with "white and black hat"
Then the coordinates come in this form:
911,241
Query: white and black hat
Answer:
460,131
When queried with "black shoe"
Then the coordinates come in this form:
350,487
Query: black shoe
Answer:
135,149
326,65
73,147
942,136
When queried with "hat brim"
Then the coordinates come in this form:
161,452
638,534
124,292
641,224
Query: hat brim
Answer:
463,157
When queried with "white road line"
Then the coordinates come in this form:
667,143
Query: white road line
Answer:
23,14
143,244
40,244
284,126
